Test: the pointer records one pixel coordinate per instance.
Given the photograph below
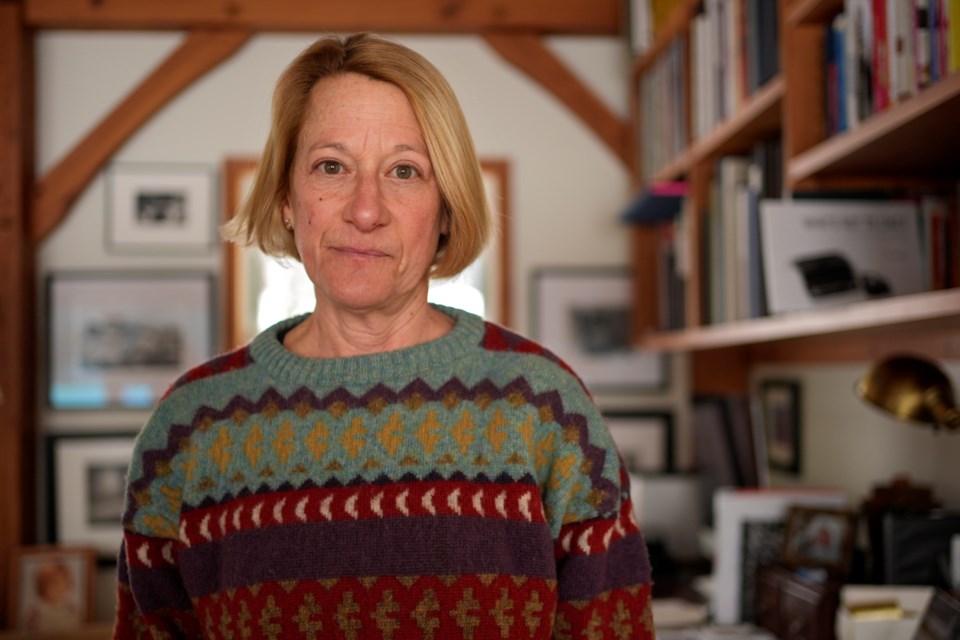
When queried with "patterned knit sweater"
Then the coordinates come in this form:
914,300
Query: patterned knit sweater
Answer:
462,488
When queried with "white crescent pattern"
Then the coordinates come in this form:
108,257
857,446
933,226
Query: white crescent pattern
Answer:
301,510
525,506
143,553
402,502
278,511
325,508
428,502
351,506
453,501
478,502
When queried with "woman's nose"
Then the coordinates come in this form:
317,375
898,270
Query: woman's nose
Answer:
366,210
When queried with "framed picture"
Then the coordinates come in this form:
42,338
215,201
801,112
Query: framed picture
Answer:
118,340
644,439
158,207
51,588
583,316
817,537
780,414
748,530
89,476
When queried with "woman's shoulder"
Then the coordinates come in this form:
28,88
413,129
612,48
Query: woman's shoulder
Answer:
498,339
226,362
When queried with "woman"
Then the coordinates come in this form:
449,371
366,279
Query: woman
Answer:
380,467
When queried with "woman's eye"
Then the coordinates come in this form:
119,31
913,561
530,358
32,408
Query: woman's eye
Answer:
330,167
405,172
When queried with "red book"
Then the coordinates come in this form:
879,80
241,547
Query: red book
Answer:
881,57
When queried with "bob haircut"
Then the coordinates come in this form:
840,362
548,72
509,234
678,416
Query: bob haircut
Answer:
449,143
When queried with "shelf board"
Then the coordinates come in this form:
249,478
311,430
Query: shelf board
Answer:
918,137
934,308
813,12
760,116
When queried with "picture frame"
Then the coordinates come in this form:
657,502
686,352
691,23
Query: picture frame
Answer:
51,588
780,415
118,340
86,487
749,524
583,316
644,440
820,537
161,208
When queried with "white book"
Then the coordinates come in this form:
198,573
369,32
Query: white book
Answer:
819,253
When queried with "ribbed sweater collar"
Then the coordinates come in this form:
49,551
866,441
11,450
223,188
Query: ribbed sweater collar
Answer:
268,351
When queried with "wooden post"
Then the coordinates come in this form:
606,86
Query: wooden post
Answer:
17,309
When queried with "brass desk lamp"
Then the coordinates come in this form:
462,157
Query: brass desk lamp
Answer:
912,389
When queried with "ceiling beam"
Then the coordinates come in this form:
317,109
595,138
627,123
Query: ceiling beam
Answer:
531,55
56,191
583,17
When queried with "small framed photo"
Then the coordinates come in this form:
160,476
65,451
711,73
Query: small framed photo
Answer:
51,588
583,316
780,415
822,538
159,207
118,340
88,484
644,440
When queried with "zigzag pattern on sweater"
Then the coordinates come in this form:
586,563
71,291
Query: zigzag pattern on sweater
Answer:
548,407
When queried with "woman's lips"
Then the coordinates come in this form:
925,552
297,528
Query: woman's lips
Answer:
361,252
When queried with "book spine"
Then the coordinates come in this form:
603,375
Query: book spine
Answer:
921,17
881,57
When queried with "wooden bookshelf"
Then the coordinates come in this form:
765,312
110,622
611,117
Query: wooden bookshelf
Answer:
913,143
918,137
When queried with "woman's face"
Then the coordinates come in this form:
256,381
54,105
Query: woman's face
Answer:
364,200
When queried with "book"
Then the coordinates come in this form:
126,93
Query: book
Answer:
819,253
859,60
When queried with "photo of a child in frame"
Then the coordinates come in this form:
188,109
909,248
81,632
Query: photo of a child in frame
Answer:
820,538
52,588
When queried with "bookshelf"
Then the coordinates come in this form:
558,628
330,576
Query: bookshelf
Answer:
910,144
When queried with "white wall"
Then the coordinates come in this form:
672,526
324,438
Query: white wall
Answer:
849,444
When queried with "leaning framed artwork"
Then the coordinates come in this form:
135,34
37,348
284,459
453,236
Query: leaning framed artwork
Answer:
583,316
643,438
50,588
117,340
87,489
163,208
819,537
780,414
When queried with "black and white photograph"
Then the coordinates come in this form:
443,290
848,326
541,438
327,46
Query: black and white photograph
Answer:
87,488
583,316
644,439
780,412
160,208
119,340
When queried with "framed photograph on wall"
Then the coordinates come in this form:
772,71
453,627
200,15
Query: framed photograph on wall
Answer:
87,487
583,316
160,207
817,537
51,588
118,340
644,439
780,414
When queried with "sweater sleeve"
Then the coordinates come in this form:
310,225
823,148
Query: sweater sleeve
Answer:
152,602
603,575
603,570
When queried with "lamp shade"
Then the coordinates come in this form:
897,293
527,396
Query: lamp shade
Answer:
912,389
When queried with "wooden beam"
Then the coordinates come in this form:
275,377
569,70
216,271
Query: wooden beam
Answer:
59,188
527,52
16,287
597,17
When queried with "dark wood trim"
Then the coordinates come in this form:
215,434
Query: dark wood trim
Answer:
593,17
57,190
528,53
16,287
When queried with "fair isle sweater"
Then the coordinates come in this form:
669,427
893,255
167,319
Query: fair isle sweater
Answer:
466,487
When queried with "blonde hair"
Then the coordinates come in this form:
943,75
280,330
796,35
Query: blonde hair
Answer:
449,143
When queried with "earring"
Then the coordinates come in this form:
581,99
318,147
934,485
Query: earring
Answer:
288,224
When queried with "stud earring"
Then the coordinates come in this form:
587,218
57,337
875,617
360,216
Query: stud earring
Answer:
288,224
